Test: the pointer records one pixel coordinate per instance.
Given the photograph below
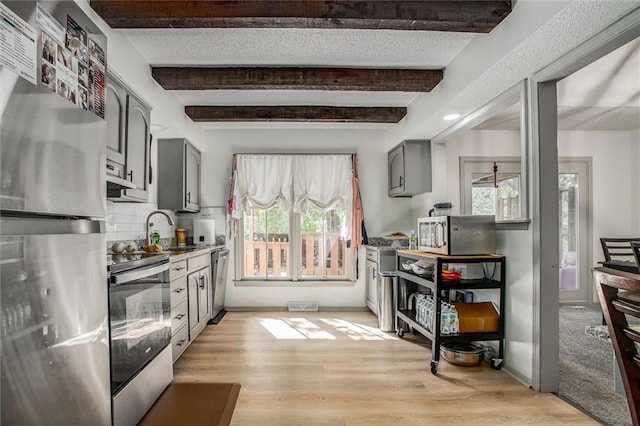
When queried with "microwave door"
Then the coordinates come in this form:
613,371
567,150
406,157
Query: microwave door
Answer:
438,240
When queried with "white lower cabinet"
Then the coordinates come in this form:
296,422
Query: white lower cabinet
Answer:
190,290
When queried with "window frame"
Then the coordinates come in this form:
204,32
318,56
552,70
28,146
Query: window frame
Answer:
517,93
468,167
295,256
295,280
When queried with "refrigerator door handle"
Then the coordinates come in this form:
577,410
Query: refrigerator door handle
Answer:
43,225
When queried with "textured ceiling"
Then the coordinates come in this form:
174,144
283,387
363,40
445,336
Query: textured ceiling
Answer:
582,96
605,95
298,47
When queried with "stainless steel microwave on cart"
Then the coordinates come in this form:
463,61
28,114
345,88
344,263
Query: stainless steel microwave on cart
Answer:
457,235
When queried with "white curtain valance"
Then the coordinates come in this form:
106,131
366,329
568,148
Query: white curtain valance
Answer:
322,182
264,181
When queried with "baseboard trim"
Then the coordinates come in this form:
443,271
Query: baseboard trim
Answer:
284,309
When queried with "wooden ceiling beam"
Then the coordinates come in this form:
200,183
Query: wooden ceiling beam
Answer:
334,114
272,78
426,15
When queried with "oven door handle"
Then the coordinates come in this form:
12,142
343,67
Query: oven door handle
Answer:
138,274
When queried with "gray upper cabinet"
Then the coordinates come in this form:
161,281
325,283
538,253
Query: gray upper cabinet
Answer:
178,175
409,166
138,158
116,116
128,141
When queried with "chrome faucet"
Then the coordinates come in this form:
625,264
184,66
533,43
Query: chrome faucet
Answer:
169,219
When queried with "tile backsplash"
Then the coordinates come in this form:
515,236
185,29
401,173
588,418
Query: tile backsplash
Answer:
126,221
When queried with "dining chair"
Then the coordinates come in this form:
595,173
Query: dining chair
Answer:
635,247
619,294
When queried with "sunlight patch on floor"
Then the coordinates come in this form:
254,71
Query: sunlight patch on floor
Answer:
281,330
309,329
303,328
354,331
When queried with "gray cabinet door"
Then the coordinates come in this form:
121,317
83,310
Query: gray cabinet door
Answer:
203,294
410,168
194,289
138,118
192,178
396,171
115,117
178,175
372,287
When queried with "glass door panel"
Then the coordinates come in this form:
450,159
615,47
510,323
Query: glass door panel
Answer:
573,213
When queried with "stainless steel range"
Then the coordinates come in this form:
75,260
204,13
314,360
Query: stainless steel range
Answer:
140,325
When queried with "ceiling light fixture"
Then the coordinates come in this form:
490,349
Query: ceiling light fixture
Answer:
450,117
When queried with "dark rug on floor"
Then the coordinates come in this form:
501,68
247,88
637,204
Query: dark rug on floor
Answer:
194,404
586,367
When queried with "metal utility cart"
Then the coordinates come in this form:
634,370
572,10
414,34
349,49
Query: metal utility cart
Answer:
440,288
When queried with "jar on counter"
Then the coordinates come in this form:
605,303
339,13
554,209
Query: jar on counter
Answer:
181,236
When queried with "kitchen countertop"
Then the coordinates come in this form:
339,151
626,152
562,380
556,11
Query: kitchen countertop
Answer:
176,253
187,252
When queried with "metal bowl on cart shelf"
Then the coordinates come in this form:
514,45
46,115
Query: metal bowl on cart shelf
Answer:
462,353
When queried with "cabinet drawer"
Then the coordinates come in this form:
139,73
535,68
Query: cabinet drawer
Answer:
179,342
198,262
178,290
177,269
179,316
372,254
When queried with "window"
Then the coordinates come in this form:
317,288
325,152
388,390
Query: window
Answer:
294,213
491,187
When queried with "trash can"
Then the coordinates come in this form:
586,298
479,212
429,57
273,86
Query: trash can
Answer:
386,306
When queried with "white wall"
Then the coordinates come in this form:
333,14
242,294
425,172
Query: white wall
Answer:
127,63
615,203
515,244
381,213
615,191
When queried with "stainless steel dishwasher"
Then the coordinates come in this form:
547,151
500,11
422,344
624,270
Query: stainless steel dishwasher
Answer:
219,264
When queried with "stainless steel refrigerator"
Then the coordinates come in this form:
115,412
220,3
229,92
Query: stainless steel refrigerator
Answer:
53,286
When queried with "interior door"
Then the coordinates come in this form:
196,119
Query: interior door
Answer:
574,212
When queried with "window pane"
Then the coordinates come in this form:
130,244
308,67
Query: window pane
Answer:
266,244
323,245
503,201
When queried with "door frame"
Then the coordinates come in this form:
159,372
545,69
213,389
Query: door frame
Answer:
585,232
543,156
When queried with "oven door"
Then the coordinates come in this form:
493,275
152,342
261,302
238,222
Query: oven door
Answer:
140,317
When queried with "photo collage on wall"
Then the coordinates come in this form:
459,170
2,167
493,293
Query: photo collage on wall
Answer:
73,64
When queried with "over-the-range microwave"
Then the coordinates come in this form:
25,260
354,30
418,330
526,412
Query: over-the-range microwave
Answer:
457,235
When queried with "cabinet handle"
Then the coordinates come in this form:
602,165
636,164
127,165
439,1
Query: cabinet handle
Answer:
188,197
179,290
181,342
130,174
374,273
179,316
202,282
179,268
400,180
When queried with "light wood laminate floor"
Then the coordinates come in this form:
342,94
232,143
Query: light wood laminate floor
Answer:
337,368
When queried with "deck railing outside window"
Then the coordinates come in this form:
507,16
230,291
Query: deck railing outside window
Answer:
323,255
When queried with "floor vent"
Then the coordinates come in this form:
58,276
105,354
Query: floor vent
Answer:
302,306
